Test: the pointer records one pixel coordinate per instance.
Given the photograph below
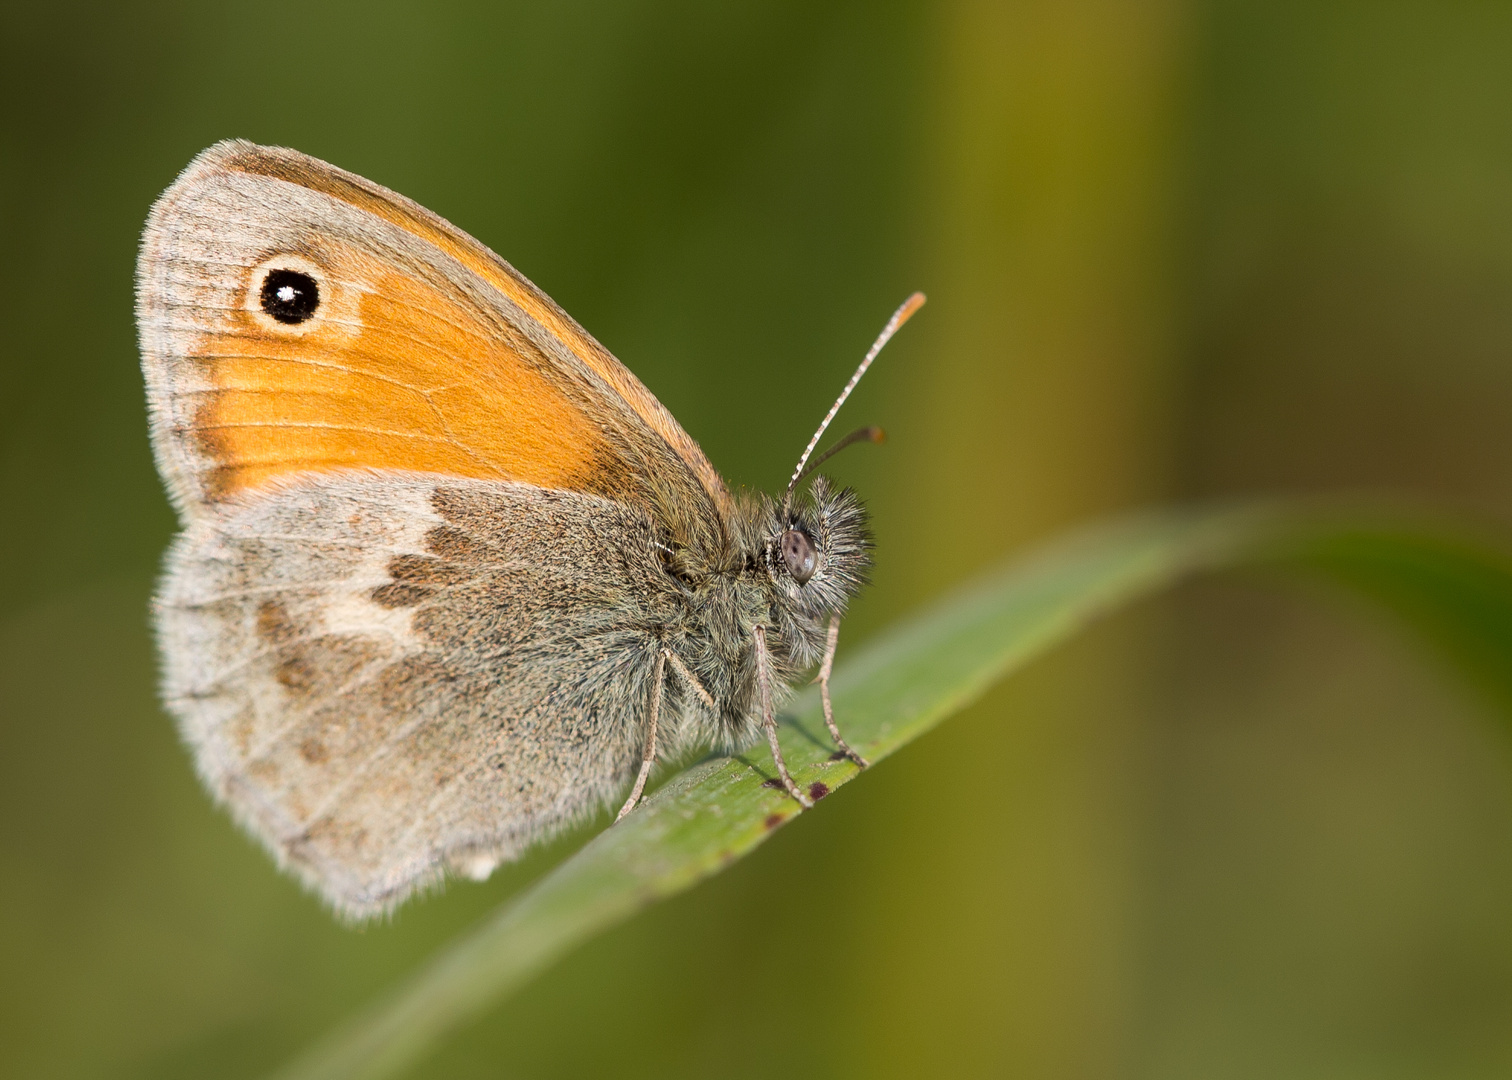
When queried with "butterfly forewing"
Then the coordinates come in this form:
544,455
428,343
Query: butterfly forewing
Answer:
423,352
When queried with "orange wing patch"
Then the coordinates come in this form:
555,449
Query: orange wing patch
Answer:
392,374
317,176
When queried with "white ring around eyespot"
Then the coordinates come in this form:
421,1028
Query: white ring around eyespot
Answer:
287,261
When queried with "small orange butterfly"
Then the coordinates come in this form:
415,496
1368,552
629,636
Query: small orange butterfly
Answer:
450,578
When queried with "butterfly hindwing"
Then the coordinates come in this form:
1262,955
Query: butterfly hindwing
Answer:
385,675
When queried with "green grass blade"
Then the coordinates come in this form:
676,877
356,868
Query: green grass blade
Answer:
1453,588
890,692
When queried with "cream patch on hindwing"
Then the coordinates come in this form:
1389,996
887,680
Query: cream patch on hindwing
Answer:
270,601
295,677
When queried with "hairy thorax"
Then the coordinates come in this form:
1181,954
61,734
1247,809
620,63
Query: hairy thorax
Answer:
744,584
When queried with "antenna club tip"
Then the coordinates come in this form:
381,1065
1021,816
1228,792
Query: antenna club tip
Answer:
876,434
902,315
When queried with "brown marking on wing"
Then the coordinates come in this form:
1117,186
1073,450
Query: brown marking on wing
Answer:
274,623
397,594
317,176
331,833
428,570
295,674
449,542
314,751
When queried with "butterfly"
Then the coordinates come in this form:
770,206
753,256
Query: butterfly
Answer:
450,579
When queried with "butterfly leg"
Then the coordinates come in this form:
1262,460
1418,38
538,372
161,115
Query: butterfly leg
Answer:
769,717
823,679
689,678
649,759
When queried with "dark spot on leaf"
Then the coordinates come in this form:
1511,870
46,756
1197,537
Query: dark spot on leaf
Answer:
773,783
838,755
772,821
818,790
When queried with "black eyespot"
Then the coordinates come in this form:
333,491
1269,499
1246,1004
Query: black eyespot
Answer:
290,296
798,552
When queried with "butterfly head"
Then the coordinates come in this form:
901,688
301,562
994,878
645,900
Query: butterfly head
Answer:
817,545
818,549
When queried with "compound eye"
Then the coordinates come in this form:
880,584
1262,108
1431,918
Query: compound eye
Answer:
798,552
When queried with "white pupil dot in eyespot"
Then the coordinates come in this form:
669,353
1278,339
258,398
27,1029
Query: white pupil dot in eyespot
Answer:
286,293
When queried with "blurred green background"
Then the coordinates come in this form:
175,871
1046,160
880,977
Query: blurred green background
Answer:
1172,250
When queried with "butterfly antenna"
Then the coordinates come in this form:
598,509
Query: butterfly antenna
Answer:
899,317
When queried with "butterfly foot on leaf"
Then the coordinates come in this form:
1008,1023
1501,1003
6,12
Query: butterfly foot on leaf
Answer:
787,784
